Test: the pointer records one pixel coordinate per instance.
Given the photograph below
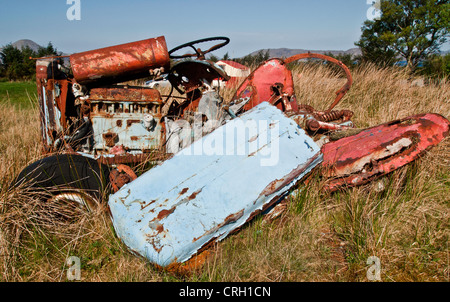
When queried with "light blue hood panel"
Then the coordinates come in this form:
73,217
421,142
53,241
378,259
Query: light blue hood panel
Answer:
214,186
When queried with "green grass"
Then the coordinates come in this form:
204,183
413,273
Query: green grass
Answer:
21,94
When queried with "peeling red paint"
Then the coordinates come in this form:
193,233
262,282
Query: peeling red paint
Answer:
258,85
357,159
120,63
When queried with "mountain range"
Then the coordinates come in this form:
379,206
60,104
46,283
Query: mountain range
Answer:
288,52
273,52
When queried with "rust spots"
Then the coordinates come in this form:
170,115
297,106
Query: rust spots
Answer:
110,138
120,176
150,203
159,228
232,218
272,187
154,155
358,159
194,195
119,63
279,183
190,266
254,138
164,213
131,122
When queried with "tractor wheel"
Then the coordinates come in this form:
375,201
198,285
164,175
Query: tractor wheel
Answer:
66,178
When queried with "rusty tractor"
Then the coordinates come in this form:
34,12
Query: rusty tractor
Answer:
210,177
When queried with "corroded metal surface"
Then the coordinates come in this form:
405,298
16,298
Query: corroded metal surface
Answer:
270,82
357,159
213,187
193,74
120,63
52,97
125,93
119,118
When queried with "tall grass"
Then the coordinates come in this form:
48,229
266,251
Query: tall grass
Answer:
402,218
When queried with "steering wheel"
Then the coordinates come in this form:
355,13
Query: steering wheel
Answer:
198,52
341,92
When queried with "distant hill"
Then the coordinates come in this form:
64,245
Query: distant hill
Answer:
24,43
288,52
20,44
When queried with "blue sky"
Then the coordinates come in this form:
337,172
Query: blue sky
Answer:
250,24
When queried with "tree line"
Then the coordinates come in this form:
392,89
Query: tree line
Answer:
18,64
249,60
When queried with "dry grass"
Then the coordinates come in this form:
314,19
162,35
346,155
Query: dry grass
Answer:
319,238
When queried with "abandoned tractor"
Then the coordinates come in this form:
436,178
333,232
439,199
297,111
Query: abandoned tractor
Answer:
91,115
218,164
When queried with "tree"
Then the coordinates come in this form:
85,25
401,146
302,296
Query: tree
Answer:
254,60
12,62
437,66
50,50
346,58
374,49
413,29
16,63
213,58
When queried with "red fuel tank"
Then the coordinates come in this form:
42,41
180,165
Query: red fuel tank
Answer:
120,63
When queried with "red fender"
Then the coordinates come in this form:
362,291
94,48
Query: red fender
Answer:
376,151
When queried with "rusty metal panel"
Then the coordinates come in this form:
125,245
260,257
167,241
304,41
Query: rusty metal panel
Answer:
127,118
125,93
258,85
214,186
120,63
357,159
44,115
52,95
41,68
126,129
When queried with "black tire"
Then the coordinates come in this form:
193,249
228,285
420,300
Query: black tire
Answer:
59,174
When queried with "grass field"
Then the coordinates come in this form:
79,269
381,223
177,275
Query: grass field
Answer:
321,237
21,94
